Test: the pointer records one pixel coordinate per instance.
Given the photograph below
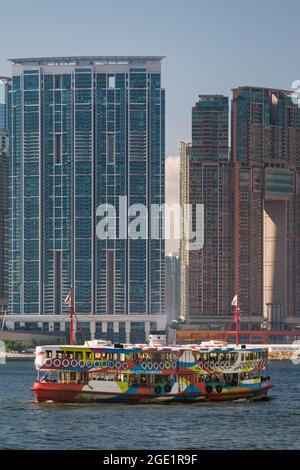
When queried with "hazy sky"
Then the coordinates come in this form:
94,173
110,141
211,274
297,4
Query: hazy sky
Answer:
210,46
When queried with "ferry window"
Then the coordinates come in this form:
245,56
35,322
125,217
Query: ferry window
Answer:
49,354
242,357
70,354
98,355
78,355
115,356
72,376
122,357
88,355
59,354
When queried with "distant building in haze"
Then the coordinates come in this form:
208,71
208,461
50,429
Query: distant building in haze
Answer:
172,287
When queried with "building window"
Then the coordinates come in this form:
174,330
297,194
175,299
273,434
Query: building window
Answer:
57,81
58,292
110,286
111,81
57,148
111,148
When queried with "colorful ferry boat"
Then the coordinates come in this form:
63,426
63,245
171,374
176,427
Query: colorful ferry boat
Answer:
99,371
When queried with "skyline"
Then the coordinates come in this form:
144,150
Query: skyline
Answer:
198,32
204,47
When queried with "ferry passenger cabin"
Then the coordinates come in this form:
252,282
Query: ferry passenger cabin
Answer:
142,365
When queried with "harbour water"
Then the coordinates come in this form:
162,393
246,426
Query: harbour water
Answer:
272,424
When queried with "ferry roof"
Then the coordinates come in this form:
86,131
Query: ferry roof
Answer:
158,348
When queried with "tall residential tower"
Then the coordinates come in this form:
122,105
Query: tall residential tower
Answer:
266,183
208,277
85,132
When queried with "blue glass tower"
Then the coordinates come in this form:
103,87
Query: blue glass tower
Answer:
85,131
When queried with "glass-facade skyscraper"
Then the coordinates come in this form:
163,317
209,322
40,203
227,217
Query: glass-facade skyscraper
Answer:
2,116
85,131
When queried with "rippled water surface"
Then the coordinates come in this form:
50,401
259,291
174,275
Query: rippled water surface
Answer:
273,424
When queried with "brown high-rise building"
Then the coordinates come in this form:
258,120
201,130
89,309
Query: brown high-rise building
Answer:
266,204
208,271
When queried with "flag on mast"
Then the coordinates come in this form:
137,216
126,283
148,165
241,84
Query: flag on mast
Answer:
235,301
68,299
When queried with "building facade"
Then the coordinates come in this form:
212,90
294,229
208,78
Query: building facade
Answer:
4,210
2,116
87,132
4,271
209,272
266,185
185,155
172,287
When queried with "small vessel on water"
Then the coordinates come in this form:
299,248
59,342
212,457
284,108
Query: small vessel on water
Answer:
99,371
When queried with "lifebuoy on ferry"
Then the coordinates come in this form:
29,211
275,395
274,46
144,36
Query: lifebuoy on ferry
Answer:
222,364
118,365
65,363
89,364
144,365
125,366
111,364
217,365
156,365
97,365
150,365
48,362
81,364
57,362
206,364
212,364
174,364
227,365
208,388
161,365
167,365
74,363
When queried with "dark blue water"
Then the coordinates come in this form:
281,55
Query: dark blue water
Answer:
273,424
